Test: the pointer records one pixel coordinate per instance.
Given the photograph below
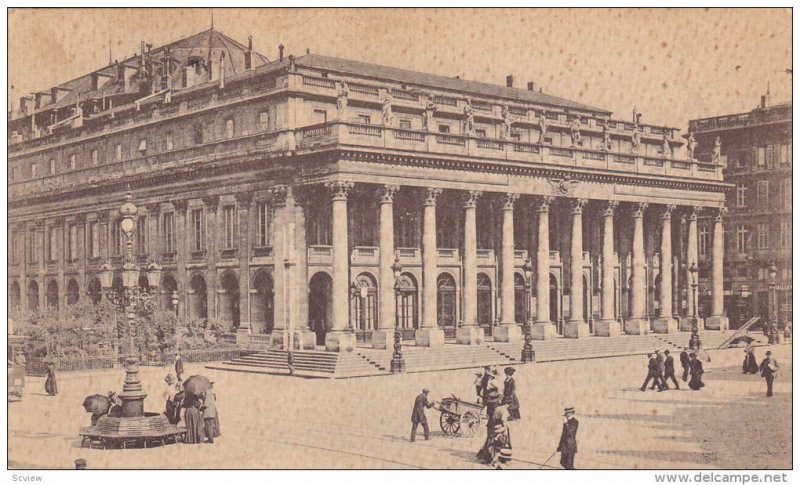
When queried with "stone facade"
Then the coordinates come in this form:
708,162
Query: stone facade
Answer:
278,196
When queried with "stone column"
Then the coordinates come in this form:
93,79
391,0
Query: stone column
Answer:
211,208
717,320
429,334
279,200
576,327
508,330
23,274
340,338
469,332
243,201
543,329
637,323
665,323
80,231
383,337
691,257
608,326
304,335
181,256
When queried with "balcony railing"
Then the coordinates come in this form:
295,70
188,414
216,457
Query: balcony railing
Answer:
262,251
229,253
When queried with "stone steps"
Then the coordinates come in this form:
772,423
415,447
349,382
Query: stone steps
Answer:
306,363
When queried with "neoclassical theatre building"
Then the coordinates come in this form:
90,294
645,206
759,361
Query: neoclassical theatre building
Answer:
331,200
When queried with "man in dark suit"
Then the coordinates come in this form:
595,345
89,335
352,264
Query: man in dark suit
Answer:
685,364
669,369
659,373
568,444
418,414
769,367
652,373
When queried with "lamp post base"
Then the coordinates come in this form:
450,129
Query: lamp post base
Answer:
132,394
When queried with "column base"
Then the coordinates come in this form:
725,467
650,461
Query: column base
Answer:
577,329
383,339
716,322
665,325
607,328
543,331
429,337
340,341
685,324
637,326
305,340
472,335
243,335
507,332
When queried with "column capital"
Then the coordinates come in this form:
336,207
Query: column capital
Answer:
694,211
666,211
508,200
544,203
180,205
211,202
471,199
639,208
610,208
278,194
387,193
339,188
80,219
431,195
578,205
153,209
243,199
59,221
720,213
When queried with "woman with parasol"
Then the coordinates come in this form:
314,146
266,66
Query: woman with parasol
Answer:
194,387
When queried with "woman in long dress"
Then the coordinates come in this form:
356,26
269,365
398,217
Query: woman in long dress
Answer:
50,385
485,454
696,368
194,421
749,366
510,395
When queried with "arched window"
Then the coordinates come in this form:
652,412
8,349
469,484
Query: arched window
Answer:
262,304
364,303
14,296
484,301
33,295
168,288
407,304
95,290
73,292
198,303
519,298
52,294
446,300
229,300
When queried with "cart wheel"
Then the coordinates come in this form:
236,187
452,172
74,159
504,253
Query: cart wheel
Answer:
471,421
449,423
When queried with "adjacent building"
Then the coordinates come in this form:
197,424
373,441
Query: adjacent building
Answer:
334,199
755,149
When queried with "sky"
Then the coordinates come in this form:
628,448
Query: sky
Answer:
673,65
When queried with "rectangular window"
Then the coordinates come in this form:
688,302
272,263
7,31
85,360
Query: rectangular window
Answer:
73,162
763,236
52,246
787,193
784,154
141,235
263,120
516,137
94,156
741,239
142,147
33,170
118,152
364,119
116,238
762,195
198,134
480,133
93,240
12,250
168,231
405,124
320,116
229,132
52,166
229,227
72,242
741,194
197,230
444,128
32,245
264,224
168,141
761,157
786,235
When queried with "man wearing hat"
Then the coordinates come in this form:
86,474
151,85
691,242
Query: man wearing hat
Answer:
210,420
80,464
503,461
652,373
669,370
659,380
510,394
568,445
418,414
769,367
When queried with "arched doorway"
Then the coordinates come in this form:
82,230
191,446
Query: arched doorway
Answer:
446,301
656,305
587,304
33,295
319,304
407,303
116,285
519,298
555,303
52,294
364,304
198,298
629,297
14,296
144,283
73,292
485,302
262,309
168,287
95,290
229,300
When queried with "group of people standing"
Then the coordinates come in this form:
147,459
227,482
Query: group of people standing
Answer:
661,367
200,410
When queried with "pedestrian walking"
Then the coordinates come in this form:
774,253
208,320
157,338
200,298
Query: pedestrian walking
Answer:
50,384
568,445
493,399
749,366
479,386
210,417
178,367
510,394
696,370
669,369
195,432
652,373
685,364
769,369
660,373
418,414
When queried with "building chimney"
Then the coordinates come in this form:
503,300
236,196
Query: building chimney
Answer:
532,86
510,81
38,100
766,99
280,52
248,56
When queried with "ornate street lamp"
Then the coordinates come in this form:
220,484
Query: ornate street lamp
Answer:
527,350
694,340
773,331
175,302
398,364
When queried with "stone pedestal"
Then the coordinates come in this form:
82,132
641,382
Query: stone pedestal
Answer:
305,340
340,341
543,331
470,335
576,330
383,339
637,326
429,337
685,324
665,325
243,336
511,333
716,322
607,328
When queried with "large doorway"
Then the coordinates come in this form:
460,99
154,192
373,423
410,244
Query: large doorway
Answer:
485,319
446,301
319,305
262,305
52,294
95,291
33,296
364,305
229,301
198,299
555,303
14,296
407,305
73,292
519,298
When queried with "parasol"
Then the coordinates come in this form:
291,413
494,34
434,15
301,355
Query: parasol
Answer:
96,404
196,385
